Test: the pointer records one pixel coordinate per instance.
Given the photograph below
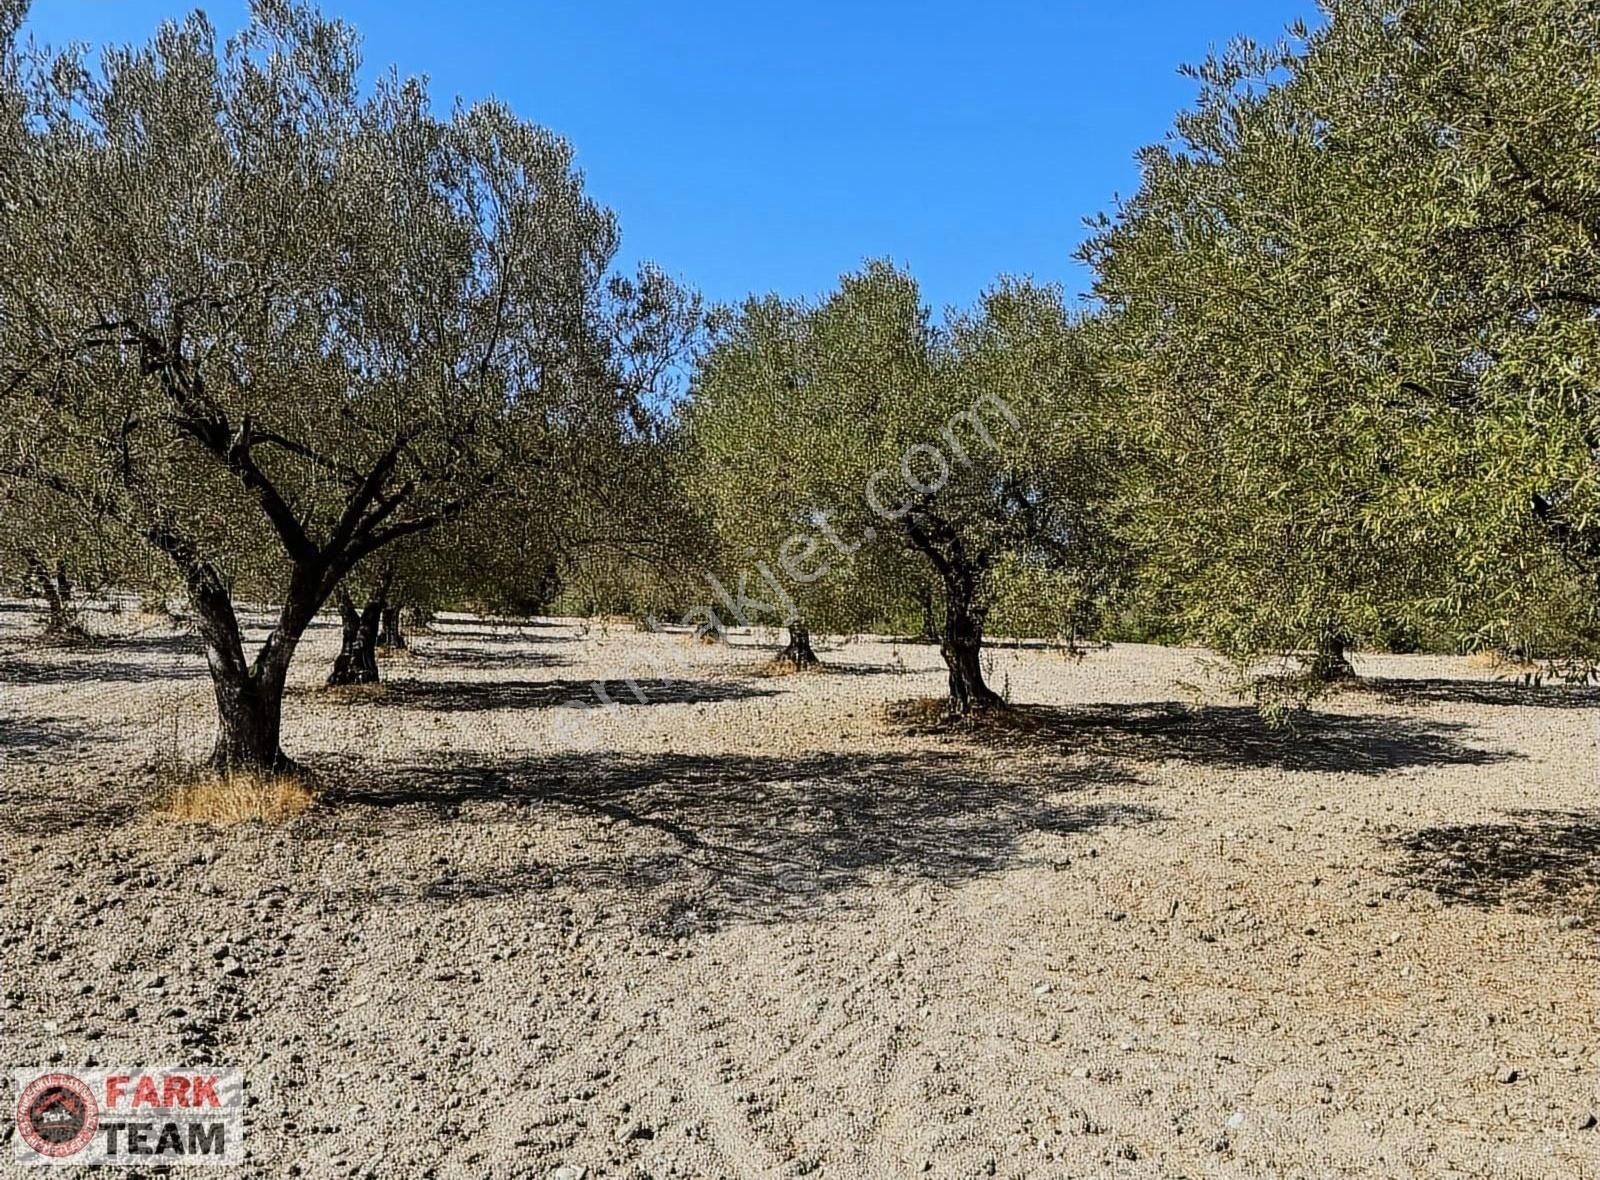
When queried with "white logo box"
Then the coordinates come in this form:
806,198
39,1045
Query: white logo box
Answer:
175,1116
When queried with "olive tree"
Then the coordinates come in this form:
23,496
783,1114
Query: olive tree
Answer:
1466,130
272,323
602,491
864,441
1352,309
753,506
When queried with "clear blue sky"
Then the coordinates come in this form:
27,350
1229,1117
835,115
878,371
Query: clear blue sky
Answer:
753,146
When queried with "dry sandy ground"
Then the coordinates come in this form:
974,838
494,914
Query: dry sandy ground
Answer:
753,927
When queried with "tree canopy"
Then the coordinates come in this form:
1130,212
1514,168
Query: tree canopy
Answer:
1352,311
274,324
862,451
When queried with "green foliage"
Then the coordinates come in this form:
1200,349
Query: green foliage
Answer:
868,459
1352,308
280,328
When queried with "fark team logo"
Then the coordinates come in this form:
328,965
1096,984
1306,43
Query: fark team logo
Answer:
57,1115
127,1117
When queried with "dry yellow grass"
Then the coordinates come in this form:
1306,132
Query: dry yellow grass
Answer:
1501,663
236,799
347,694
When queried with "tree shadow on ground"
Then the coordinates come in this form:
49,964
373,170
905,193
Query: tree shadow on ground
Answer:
491,633
25,809
475,696
858,669
81,667
1234,737
177,644
25,739
1542,859
707,839
466,657
1491,693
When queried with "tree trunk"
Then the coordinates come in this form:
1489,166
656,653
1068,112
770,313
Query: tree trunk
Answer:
56,588
249,696
930,628
249,724
391,637
798,653
961,645
1331,664
358,648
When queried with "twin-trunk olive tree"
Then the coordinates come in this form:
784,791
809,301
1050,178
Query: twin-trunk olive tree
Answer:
274,325
602,495
857,448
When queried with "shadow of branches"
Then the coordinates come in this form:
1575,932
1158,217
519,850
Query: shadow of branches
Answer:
1491,693
25,739
471,696
454,656
26,810
1234,736
743,837
1546,859
92,667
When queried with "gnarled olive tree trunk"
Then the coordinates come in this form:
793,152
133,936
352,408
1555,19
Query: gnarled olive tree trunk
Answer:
61,617
798,652
961,641
1331,664
358,646
391,634
249,693
357,662
961,645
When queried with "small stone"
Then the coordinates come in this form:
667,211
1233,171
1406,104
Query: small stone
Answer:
1506,1076
152,982
232,968
1588,1122
1236,1120
569,1172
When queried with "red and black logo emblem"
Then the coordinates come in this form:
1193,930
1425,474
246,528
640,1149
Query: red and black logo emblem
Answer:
57,1115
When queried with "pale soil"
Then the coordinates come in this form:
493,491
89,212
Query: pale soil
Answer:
754,928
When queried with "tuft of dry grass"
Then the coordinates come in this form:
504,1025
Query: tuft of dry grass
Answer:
1501,663
931,715
235,799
